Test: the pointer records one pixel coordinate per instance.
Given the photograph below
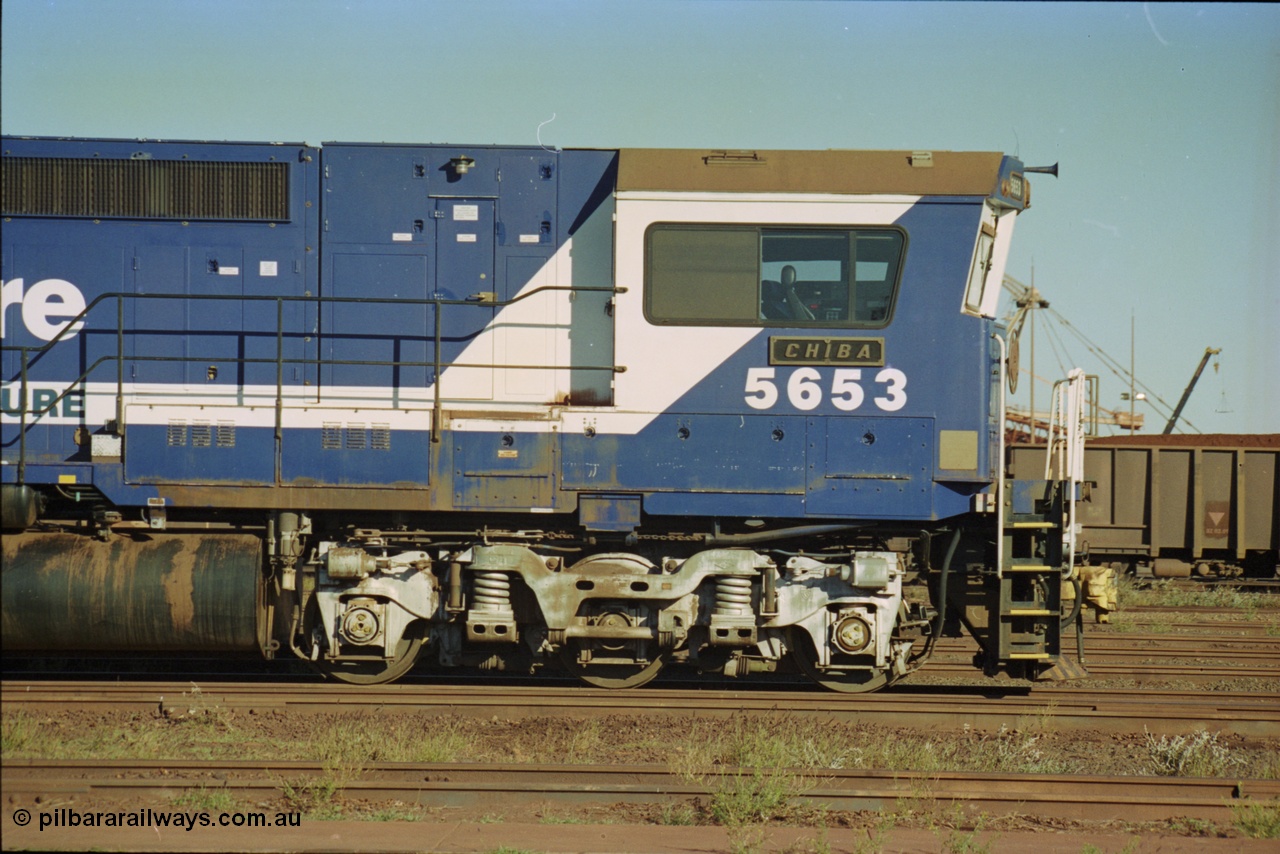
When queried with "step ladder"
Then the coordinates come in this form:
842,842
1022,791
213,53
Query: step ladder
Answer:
1033,558
1036,547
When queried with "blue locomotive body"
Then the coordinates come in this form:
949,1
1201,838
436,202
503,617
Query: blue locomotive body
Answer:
727,382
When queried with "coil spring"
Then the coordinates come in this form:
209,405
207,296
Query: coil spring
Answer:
733,595
492,591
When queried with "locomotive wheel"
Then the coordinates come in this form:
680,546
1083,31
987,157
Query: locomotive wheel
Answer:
611,675
844,681
379,672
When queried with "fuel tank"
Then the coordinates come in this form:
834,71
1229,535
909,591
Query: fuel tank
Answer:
140,592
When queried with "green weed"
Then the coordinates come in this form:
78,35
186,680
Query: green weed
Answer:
755,796
1258,820
21,734
960,841
1041,720
314,797
1194,826
766,742
678,815
1264,766
581,742
1165,593
207,800
1015,751
764,750
877,837
809,845
1198,754
360,739
910,754
921,806
134,742
1130,847
746,839
1122,623
554,818
396,812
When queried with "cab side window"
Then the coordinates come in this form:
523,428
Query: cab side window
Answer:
771,276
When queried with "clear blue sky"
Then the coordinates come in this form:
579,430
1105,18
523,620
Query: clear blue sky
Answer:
1165,118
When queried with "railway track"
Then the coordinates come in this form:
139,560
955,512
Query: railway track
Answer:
1137,673
481,789
1169,712
1198,585
1093,798
1235,631
1132,658
1240,653
1224,613
1214,651
950,669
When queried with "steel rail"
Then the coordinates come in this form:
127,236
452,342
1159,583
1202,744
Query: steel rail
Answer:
987,708
1218,660
1078,797
1238,614
1206,629
1126,647
19,691
948,666
1144,670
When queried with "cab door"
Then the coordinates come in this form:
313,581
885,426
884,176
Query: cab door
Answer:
464,272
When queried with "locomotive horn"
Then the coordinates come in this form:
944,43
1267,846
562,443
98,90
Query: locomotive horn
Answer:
1048,170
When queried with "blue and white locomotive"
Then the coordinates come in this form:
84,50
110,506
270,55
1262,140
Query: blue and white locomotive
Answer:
506,407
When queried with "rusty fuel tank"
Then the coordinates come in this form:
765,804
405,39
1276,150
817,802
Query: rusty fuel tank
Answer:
161,592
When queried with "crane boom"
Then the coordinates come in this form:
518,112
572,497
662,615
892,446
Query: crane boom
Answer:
1177,410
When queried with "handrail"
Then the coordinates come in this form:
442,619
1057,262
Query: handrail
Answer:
1000,466
31,354
1068,414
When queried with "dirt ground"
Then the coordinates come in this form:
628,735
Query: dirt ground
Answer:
516,836
618,828
343,824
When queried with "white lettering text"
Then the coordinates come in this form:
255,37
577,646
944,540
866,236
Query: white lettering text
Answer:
40,306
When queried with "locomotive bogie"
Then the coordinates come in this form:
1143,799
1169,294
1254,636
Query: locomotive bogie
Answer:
607,611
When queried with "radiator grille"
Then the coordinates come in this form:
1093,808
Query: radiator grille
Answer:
226,434
145,189
201,434
331,436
